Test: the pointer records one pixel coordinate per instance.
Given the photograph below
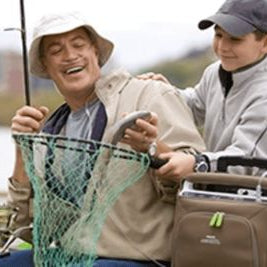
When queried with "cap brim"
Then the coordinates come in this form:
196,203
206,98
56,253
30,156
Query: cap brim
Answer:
231,24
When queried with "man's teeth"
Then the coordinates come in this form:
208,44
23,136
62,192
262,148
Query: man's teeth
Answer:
73,70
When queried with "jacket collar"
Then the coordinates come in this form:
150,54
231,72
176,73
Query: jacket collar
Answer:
235,79
247,73
112,83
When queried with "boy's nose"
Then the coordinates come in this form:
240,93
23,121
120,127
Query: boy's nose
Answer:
223,44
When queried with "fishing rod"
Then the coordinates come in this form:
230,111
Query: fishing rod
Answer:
24,54
22,30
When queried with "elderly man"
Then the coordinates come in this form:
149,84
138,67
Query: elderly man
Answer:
66,49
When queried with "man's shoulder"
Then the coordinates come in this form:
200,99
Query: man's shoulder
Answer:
123,81
115,78
152,85
119,73
122,74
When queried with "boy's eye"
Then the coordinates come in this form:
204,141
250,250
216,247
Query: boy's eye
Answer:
235,39
218,35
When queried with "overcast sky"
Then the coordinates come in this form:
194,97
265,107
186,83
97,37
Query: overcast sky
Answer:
144,31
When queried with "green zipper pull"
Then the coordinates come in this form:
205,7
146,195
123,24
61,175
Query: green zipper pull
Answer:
213,219
219,220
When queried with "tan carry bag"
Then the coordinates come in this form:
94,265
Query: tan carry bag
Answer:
221,221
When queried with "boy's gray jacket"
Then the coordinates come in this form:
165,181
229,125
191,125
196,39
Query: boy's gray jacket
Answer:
236,124
139,225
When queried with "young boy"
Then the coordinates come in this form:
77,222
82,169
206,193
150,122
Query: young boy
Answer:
230,101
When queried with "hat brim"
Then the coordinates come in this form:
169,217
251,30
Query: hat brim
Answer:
231,24
104,46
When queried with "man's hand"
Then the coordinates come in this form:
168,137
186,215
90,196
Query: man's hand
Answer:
142,134
29,119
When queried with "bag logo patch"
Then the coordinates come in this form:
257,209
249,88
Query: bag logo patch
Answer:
211,240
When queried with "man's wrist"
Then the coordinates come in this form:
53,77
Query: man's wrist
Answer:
23,182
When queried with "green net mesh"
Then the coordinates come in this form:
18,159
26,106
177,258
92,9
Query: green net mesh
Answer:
75,183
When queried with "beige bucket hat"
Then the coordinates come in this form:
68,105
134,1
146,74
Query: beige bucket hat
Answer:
60,23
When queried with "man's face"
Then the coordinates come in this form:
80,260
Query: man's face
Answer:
237,52
71,61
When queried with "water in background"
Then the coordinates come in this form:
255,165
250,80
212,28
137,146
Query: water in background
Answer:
7,154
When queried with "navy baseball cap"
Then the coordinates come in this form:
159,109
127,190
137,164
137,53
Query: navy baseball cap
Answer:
239,17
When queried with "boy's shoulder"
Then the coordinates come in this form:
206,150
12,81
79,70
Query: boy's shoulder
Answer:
213,67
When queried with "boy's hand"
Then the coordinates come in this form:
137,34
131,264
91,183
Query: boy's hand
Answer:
153,76
179,165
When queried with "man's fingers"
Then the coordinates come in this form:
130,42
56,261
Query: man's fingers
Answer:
136,136
137,140
149,127
154,119
21,129
29,119
32,112
150,130
23,123
44,110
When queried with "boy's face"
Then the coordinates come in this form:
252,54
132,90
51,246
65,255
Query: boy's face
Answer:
238,52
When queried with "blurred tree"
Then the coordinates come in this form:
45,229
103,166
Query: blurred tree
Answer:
185,71
9,103
182,72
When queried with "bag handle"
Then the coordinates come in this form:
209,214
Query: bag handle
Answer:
226,161
227,179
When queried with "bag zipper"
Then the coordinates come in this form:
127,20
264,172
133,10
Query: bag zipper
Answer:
216,221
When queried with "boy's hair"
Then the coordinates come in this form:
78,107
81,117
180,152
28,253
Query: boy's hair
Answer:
259,35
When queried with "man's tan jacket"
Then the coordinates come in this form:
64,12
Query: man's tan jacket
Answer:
139,225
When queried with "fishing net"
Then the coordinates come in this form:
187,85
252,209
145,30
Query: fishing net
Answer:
75,183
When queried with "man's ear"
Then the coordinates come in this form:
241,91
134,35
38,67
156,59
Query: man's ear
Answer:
97,54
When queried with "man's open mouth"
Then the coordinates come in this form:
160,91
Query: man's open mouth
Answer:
74,70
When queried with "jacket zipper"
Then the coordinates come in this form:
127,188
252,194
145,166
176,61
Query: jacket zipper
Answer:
223,110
